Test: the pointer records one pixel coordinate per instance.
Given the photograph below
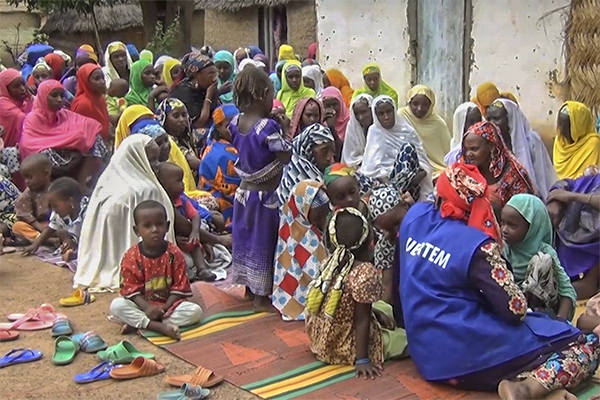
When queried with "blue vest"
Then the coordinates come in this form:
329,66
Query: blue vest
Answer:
451,332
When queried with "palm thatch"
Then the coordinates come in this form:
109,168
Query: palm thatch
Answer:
582,51
235,5
110,19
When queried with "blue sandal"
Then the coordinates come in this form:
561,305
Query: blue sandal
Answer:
62,327
90,342
100,372
187,391
20,356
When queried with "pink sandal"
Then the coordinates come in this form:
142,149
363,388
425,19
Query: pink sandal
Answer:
45,312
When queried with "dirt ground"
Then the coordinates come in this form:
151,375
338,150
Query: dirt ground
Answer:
28,282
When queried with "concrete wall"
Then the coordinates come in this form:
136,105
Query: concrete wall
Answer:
520,53
302,25
353,32
224,30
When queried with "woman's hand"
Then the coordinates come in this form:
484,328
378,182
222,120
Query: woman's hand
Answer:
226,88
211,91
561,195
369,371
330,118
283,120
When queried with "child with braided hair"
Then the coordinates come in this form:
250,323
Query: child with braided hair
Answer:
346,321
264,147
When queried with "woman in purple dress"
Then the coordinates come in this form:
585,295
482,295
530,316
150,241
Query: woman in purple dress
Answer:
264,148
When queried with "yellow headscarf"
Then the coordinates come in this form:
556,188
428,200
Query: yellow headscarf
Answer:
290,97
571,159
167,68
384,87
286,52
432,129
129,117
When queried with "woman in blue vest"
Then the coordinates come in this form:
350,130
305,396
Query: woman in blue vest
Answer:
466,320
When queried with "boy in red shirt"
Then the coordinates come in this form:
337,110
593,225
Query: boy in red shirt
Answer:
154,283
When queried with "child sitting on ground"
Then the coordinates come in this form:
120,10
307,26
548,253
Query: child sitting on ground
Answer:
527,234
68,207
33,211
153,279
346,322
115,97
188,220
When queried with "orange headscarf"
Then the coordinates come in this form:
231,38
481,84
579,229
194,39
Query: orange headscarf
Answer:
465,196
57,63
88,103
339,80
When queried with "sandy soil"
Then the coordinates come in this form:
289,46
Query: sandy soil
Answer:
28,282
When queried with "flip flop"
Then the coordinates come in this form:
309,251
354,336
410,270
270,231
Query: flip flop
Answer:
65,350
90,342
201,377
45,312
187,391
79,297
8,250
20,356
140,367
123,353
7,336
100,372
62,327
26,323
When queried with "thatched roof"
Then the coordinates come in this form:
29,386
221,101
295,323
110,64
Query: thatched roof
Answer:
235,5
112,19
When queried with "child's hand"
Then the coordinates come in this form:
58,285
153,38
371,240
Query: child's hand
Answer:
181,240
68,244
30,250
385,321
194,237
209,253
369,371
155,313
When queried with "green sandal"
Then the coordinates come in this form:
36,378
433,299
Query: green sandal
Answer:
65,350
122,353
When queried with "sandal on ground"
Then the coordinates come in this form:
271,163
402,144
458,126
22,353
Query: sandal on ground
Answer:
45,312
62,327
187,391
100,372
123,353
201,377
140,367
65,350
20,356
79,297
7,250
26,323
90,342
7,335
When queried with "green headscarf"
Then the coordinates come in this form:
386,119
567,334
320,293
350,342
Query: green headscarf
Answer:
138,93
383,89
227,57
290,97
537,239
147,55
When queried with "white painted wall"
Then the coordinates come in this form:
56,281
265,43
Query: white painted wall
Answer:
352,33
519,52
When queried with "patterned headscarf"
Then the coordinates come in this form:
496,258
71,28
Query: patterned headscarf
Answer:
194,63
499,151
166,106
382,200
302,165
296,120
337,170
465,196
153,131
328,280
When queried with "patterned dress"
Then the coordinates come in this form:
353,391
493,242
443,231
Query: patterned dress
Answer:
255,213
300,250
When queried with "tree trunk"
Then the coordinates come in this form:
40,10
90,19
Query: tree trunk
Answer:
150,15
96,32
186,13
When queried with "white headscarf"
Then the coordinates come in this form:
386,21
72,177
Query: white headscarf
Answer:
355,141
529,149
383,146
107,231
314,72
161,61
109,70
458,129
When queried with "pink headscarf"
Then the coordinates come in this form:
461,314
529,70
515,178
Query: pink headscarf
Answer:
12,111
63,129
341,120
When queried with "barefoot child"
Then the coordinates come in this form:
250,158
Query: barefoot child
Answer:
527,233
68,210
264,148
154,283
346,322
170,177
33,211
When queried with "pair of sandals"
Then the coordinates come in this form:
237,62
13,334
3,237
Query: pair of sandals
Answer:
39,318
139,368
